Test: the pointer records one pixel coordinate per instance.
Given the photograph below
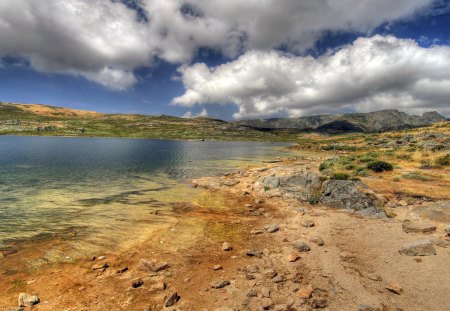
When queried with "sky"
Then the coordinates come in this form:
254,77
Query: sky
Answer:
229,59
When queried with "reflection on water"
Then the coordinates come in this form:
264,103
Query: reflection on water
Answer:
95,190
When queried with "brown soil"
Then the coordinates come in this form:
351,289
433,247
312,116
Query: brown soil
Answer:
359,260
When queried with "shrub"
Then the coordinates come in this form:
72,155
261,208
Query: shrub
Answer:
415,175
361,171
443,160
340,176
325,165
366,159
349,166
380,166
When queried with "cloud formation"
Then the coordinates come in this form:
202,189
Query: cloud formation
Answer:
104,41
371,74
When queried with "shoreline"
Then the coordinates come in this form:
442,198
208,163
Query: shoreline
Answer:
357,264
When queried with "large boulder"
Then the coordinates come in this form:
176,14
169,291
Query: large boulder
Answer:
301,186
348,194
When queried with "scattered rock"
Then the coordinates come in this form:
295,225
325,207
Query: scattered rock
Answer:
272,228
395,288
253,253
292,257
418,226
102,267
319,303
137,283
318,240
418,248
347,256
220,284
301,246
267,303
122,270
270,273
265,292
256,231
278,279
226,247
153,266
172,299
305,292
364,307
160,285
26,300
447,231
217,267
252,293
308,223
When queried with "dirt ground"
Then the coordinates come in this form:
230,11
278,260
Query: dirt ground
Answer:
358,267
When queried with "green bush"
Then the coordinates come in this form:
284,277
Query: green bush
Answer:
340,176
380,166
349,166
443,160
415,175
366,159
325,165
361,171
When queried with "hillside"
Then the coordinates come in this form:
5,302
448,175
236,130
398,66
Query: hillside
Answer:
21,119
378,121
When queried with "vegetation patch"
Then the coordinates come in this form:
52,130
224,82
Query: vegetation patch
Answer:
340,176
415,176
380,166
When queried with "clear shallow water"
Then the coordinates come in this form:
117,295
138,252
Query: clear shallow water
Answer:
96,190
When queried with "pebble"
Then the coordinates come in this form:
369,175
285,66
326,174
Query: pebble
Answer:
305,292
101,257
418,226
122,270
256,231
447,231
265,292
318,240
394,288
220,284
102,267
26,300
364,307
272,228
248,205
346,256
374,277
418,248
252,293
172,299
292,257
267,303
217,267
308,223
137,283
160,285
226,247
278,279
270,273
253,253
301,246
152,265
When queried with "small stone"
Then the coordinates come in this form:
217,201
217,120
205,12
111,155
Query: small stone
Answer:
402,203
292,257
250,277
253,253
347,256
364,307
270,273
122,270
319,303
259,201
318,240
137,283
447,231
418,226
267,303
101,257
272,228
172,299
257,232
220,284
301,246
217,267
418,248
252,293
395,288
265,292
101,267
374,277
26,300
308,223
160,285
187,280
248,205
226,247
278,279
153,266
305,292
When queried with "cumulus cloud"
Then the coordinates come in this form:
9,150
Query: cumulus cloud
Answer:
104,41
202,113
371,74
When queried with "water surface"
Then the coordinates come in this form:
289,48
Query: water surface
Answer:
99,192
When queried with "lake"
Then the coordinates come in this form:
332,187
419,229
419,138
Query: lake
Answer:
100,192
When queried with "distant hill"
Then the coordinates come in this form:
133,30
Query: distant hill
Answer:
378,121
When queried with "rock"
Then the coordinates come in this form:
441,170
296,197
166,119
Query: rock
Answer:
172,299
253,253
122,270
265,292
250,277
418,248
301,246
252,293
102,267
319,303
15,309
220,284
278,279
292,257
364,307
305,292
259,201
26,300
418,226
308,223
137,283
302,186
271,182
402,203
447,230
101,257
347,256
251,269
272,228
217,267
267,303
318,240
348,194
256,231
152,266
394,288
160,285
270,273
226,247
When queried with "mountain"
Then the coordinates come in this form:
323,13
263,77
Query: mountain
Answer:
378,121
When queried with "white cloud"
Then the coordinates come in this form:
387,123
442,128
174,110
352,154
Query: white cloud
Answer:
370,74
202,113
104,41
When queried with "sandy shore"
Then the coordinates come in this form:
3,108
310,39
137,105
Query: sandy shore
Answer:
281,254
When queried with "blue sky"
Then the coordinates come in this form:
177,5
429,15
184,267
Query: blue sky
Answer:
164,76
